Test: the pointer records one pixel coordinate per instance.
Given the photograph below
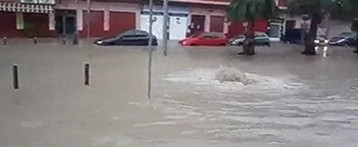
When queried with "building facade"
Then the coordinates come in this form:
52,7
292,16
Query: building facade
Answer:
103,18
27,18
96,18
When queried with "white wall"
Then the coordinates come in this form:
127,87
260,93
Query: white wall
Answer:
157,25
178,27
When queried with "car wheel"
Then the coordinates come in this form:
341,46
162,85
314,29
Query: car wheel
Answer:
268,44
347,44
193,44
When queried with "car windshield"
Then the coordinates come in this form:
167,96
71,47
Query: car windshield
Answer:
195,35
214,34
346,34
338,38
239,36
321,37
260,35
133,32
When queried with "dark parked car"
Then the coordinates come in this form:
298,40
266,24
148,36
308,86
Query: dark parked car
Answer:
260,39
344,39
128,38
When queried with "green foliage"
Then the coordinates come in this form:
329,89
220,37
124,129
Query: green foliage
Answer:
341,9
308,6
354,7
249,10
355,25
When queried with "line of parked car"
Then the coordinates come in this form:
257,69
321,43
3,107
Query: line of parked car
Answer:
342,39
220,39
128,38
141,38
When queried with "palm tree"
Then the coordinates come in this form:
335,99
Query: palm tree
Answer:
317,9
355,28
354,9
250,11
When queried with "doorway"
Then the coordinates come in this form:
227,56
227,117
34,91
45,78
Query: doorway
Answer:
197,24
69,25
66,23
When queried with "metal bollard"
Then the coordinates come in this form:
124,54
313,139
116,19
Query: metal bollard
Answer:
75,39
5,40
87,74
35,40
63,40
15,76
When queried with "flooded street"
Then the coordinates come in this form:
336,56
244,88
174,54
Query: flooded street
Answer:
292,101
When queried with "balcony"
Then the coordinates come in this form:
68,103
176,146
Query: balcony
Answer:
44,2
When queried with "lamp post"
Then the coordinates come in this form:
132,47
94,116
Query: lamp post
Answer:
150,46
88,17
165,27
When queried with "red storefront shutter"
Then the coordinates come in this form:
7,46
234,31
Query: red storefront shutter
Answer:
217,24
120,22
96,24
261,25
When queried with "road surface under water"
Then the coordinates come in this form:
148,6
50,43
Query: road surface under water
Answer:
294,100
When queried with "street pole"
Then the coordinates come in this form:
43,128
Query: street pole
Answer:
165,27
150,44
88,17
75,37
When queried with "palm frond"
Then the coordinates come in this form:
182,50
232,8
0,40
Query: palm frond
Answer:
246,10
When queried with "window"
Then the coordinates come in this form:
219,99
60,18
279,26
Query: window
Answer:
129,36
212,35
207,36
195,35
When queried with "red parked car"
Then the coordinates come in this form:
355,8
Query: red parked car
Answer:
205,39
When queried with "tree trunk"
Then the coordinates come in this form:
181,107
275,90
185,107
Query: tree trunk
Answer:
311,36
249,43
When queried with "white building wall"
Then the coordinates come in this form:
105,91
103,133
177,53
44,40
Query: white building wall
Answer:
106,19
178,27
157,24
79,20
207,23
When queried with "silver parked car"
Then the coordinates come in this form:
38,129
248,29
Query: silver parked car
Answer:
261,39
